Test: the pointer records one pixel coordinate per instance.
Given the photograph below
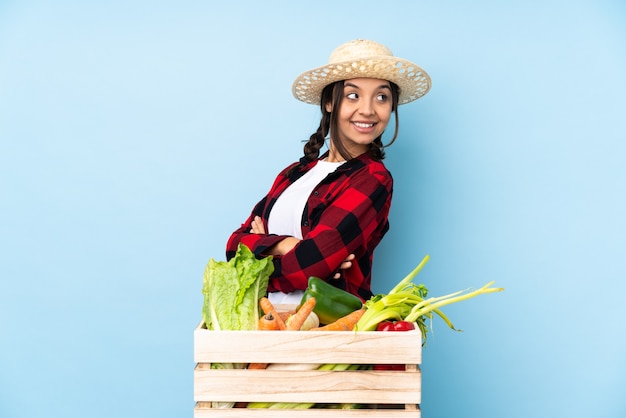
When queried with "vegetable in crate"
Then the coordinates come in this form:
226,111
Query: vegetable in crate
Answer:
231,296
408,302
232,291
345,323
393,326
332,303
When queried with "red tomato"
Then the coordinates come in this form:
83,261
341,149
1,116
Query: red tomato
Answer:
393,326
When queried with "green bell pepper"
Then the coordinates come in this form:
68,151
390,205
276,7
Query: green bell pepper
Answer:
331,303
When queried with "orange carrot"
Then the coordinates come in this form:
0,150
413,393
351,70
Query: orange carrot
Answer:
257,366
284,315
295,321
268,323
267,308
345,323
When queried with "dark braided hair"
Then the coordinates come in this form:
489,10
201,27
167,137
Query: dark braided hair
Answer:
333,93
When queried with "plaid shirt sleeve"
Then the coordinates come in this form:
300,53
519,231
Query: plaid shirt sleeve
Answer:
346,213
257,243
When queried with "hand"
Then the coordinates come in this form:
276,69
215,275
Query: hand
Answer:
256,227
346,264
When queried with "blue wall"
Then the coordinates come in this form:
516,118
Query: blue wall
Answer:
135,136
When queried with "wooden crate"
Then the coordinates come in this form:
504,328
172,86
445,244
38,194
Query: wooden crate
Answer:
383,393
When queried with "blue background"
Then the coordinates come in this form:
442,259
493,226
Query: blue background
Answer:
135,136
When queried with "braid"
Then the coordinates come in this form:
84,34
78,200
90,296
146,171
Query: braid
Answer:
315,143
317,140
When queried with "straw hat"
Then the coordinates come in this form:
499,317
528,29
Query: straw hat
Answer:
363,58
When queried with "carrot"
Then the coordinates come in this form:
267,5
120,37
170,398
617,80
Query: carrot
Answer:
295,321
345,323
257,366
267,307
268,323
284,315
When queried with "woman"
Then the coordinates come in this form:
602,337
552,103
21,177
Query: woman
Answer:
325,215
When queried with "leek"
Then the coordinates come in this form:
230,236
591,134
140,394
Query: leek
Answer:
407,301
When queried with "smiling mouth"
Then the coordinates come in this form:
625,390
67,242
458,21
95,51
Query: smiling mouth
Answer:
363,124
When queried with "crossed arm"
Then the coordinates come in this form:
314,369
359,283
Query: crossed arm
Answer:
287,244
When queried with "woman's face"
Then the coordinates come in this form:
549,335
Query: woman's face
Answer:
364,113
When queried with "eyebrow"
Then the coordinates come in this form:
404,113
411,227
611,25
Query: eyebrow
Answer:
382,86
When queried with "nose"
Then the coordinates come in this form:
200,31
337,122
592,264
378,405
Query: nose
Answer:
366,108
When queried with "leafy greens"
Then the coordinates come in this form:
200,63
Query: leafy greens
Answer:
232,290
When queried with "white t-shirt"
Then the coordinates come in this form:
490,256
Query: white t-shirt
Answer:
286,215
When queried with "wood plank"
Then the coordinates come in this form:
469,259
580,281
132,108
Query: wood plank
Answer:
362,386
305,413
307,347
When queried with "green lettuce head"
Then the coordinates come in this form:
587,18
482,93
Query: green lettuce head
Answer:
232,290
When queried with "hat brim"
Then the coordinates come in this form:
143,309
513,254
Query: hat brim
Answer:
413,81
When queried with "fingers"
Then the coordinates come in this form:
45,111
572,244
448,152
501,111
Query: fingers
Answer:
256,226
346,264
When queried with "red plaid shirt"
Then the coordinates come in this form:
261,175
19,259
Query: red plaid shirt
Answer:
345,214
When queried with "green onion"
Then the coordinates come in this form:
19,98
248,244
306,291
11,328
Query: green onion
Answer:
407,301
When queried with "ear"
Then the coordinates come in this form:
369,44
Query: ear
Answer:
329,107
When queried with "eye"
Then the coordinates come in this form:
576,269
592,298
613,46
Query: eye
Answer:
352,96
382,97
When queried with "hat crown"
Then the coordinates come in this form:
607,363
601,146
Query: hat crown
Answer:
357,50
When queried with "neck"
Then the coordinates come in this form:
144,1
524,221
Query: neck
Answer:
354,151
334,157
